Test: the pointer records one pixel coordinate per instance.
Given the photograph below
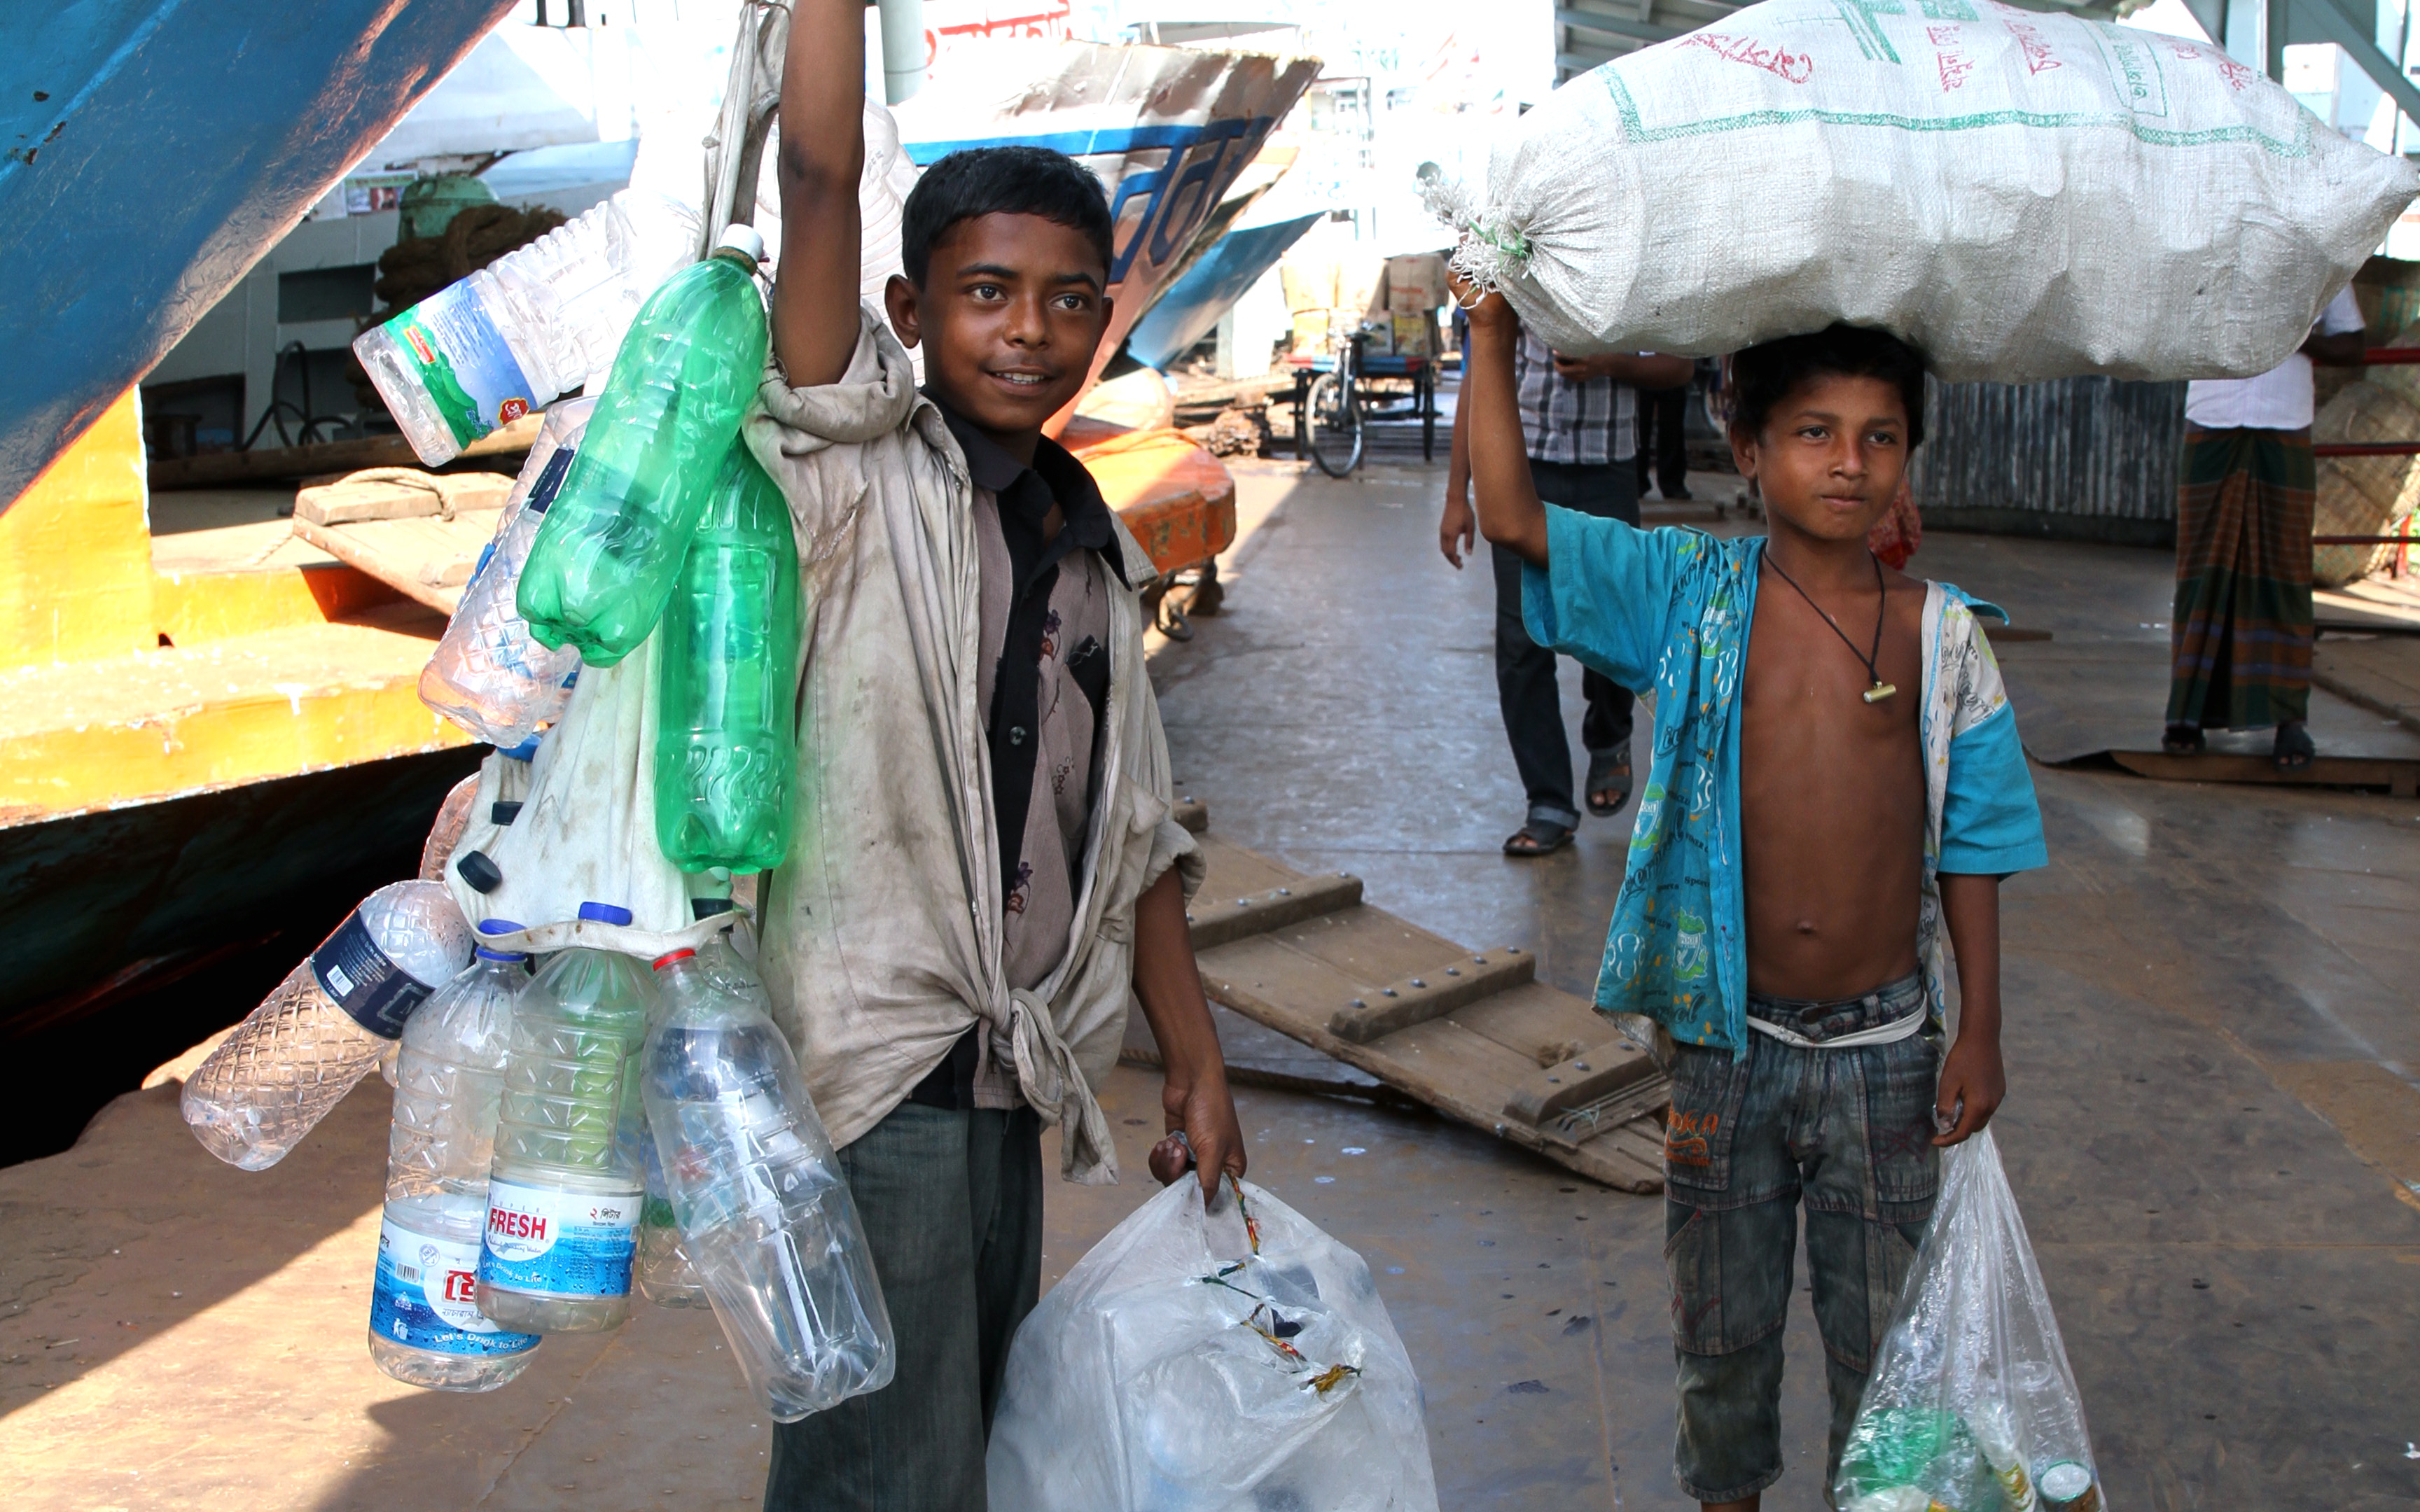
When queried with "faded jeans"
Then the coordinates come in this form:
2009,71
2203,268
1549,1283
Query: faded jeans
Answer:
951,1203
1848,1130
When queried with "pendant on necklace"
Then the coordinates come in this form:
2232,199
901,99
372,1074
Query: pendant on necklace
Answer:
1879,691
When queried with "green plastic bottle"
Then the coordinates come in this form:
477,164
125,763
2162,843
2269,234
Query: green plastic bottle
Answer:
726,731
604,562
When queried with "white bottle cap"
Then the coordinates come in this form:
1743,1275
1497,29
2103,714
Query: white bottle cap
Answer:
743,239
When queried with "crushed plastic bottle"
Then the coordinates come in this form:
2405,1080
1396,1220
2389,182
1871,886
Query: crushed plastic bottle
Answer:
425,1327
766,1218
488,674
536,323
325,1025
605,561
726,735
568,1184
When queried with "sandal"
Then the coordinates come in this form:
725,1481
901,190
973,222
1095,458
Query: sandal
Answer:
2294,751
2183,740
1539,836
1608,771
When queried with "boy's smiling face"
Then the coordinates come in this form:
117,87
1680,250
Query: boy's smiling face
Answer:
1831,455
1012,311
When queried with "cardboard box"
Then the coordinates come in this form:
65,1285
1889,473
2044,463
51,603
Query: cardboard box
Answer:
1416,283
1414,334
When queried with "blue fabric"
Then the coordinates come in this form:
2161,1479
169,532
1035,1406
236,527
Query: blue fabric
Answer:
1990,823
1670,609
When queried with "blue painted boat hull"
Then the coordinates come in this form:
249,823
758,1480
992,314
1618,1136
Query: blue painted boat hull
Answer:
1191,306
152,150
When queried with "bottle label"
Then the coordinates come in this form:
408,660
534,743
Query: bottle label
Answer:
426,1294
462,362
549,481
551,1244
365,981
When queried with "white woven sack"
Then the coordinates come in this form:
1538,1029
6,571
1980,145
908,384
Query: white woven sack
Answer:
586,830
2023,196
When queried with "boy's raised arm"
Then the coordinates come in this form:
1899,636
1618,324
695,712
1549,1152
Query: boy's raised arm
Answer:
1509,513
823,149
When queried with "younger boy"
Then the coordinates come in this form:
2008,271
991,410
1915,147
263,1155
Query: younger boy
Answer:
984,869
1837,775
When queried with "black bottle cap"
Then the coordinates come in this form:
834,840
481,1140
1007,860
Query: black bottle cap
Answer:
708,907
479,872
504,811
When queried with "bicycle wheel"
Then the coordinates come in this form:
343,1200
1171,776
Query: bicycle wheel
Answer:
1333,417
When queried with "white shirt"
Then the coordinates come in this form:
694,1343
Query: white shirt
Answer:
2279,399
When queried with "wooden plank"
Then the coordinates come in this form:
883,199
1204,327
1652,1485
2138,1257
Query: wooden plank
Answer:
1374,946
216,470
2399,778
1399,1005
1220,920
1543,1023
400,493
1235,872
1589,1078
429,559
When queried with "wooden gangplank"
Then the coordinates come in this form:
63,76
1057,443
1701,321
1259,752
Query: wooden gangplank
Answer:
1469,1032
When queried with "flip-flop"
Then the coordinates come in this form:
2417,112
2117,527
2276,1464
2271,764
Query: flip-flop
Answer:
2183,740
1604,766
2294,751
1539,836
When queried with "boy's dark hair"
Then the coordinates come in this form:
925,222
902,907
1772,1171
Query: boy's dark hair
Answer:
1762,376
1011,180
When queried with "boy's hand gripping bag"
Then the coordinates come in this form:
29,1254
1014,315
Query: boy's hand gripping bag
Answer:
1225,1361
1971,1407
2022,196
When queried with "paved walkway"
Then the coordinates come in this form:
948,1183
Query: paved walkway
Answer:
2210,1037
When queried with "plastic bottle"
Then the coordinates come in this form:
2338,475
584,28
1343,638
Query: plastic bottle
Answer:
425,1327
665,1276
726,735
537,322
766,1217
569,1181
299,1052
605,560
488,674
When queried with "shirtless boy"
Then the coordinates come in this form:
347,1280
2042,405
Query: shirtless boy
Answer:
1837,781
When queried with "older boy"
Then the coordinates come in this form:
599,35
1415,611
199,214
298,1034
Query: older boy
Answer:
1836,776
984,868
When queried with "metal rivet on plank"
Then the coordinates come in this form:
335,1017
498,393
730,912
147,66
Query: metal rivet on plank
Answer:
1454,971
1360,1003
1388,993
1418,983
1579,1065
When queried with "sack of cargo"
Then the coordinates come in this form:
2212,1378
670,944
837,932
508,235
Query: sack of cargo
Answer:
1971,1405
1220,1360
2023,196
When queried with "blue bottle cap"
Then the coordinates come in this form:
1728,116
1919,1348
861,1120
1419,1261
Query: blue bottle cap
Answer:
499,926
526,750
605,913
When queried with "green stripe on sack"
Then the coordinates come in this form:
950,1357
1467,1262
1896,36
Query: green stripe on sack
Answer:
1636,130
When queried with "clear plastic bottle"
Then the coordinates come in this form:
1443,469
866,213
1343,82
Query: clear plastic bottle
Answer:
665,1276
764,1211
325,1025
425,1327
487,675
568,1183
605,560
726,735
538,322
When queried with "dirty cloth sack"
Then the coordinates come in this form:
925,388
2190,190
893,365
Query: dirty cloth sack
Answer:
586,829
1225,1361
1971,1400
2023,196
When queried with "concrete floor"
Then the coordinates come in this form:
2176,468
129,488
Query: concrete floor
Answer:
2210,1038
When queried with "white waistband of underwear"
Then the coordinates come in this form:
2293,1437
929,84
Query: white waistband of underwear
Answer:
1891,1033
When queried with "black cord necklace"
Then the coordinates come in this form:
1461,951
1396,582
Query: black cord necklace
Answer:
1881,689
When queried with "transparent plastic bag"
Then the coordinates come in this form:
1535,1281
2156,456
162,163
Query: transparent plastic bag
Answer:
1971,1407
1217,1361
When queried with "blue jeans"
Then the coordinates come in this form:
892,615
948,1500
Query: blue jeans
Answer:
952,1203
1850,1131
